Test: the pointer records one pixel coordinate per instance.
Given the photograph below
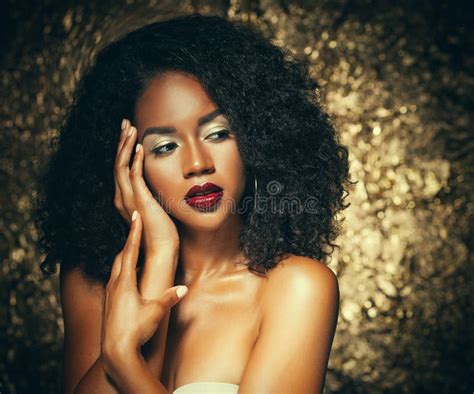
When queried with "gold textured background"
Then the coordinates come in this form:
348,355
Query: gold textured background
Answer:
398,77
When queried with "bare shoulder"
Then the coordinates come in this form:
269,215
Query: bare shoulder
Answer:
74,280
300,302
303,277
79,293
81,303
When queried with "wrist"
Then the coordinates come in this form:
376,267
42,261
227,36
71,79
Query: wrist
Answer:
127,370
116,356
165,256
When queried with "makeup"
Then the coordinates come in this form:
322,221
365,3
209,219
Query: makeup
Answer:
204,197
206,202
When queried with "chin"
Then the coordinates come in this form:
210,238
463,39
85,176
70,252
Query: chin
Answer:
202,223
203,220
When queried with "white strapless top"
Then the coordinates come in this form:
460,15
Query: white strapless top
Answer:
207,387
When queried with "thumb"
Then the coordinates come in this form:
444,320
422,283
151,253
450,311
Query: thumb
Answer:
172,295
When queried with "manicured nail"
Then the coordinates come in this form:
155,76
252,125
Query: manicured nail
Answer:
181,291
138,147
130,132
124,123
134,216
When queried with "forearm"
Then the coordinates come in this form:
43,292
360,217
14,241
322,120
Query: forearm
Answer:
132,374
154,350
96,381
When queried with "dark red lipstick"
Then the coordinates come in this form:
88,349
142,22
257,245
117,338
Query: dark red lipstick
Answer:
204,196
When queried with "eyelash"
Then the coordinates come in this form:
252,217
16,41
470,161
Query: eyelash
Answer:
158,150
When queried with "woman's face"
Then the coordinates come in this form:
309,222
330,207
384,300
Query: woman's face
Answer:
188,142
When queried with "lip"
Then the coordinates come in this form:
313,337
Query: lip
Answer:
206,202
207,187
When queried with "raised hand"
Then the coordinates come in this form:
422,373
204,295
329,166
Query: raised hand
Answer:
129,319
132,193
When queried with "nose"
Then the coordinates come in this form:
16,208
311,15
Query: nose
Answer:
197,161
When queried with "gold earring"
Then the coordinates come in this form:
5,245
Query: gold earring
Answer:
255,193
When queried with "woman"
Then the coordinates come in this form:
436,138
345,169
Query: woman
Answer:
224,182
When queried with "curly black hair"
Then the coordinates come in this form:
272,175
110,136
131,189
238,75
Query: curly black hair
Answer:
285,139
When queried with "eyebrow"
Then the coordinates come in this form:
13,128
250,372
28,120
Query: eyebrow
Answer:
170,129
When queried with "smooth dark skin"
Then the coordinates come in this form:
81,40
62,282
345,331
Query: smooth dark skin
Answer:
267,335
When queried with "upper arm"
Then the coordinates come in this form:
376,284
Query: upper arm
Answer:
300,312
81,304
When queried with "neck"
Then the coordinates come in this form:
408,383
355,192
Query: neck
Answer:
205,254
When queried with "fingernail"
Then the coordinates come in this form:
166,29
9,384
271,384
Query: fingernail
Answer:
124,123
130,132
134,215
138,147
181,292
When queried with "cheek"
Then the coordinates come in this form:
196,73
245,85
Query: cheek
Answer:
159,178
233,167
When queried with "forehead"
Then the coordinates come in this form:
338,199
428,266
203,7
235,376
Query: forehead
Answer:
171,99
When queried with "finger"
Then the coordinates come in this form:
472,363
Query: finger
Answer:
118,200
172,296
116,267
132,249
123,135
122,171
144,199
139,187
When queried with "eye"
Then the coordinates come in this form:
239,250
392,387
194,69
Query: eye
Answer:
224,134
162,149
